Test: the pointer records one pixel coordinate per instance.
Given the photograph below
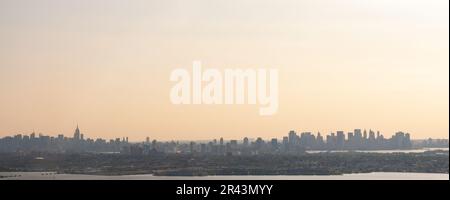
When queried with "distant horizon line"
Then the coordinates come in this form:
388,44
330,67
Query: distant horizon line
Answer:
218,138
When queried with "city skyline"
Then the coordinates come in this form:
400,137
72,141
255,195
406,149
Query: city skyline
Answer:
292,143
106,65
207,137
79,135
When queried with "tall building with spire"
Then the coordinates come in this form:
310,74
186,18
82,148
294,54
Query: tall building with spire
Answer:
76,135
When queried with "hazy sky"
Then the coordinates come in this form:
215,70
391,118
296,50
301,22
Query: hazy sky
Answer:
343,64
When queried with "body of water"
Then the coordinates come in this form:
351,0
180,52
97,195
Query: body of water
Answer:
361,176
381,151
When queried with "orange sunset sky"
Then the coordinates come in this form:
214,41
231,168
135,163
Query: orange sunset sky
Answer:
105,64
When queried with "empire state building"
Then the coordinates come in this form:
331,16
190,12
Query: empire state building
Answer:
76,135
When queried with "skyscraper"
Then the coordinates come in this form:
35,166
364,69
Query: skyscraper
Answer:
340,139
76,135
292,138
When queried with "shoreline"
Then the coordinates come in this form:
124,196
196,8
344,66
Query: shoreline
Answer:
212,175
352,176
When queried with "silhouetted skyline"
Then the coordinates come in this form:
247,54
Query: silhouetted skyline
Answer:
357,139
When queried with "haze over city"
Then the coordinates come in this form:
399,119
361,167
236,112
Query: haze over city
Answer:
106,64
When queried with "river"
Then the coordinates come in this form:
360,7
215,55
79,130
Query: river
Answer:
361,176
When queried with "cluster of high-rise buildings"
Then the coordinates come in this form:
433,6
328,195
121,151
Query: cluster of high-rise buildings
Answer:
60,143
291,144
294,143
